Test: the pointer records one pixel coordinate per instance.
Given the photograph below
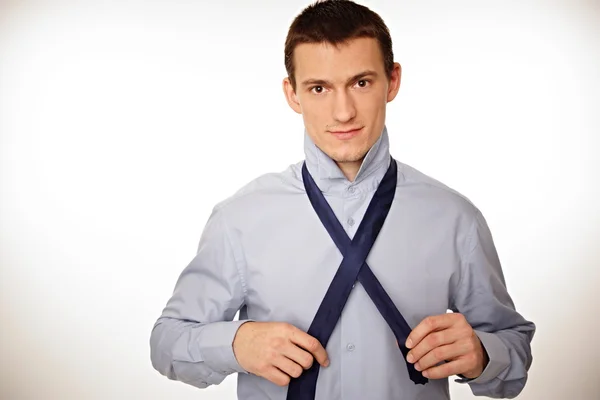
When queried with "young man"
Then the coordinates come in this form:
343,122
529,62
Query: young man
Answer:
343,267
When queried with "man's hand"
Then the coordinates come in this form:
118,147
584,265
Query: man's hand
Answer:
447,337
276,351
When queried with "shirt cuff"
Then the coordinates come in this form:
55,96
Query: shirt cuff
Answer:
216,346
498,355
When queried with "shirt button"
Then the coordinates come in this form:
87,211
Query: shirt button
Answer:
351,189
350,221
350,347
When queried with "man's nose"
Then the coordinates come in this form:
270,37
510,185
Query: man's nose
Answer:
343,109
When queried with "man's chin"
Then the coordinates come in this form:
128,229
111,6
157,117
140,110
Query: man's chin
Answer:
344,155
346,158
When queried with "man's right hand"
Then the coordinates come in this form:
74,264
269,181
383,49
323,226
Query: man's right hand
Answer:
276,351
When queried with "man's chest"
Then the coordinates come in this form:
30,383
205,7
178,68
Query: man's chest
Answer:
290,265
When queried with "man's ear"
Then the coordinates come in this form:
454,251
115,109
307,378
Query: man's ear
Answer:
394,82
290,96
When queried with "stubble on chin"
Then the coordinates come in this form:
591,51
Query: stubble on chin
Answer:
348,158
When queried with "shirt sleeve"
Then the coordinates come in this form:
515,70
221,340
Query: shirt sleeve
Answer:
192,341
482,297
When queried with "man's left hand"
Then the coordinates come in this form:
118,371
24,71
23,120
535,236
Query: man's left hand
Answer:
450,338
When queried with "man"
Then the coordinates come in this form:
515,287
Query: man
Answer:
267,252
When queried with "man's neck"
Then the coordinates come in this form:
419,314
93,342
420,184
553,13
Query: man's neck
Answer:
350,169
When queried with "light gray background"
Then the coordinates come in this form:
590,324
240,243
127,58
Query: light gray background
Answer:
114,116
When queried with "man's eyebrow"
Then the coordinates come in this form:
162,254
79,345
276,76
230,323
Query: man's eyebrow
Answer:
323,82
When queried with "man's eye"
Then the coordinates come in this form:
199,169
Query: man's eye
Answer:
363,82
317,89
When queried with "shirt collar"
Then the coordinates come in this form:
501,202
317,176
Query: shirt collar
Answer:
330,178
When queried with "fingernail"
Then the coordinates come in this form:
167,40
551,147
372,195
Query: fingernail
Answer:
326,364
409,343
417,366
425,374
410,358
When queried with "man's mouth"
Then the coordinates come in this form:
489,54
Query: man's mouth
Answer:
345,134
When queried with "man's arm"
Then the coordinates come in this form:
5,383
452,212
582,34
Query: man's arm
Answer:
482,297
192,340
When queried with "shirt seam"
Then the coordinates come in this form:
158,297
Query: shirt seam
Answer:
464,259
235,257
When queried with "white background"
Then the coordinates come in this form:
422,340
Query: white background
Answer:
123,123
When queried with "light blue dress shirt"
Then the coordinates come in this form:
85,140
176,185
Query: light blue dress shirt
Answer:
265,253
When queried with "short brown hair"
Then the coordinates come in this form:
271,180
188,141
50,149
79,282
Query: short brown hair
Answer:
337,22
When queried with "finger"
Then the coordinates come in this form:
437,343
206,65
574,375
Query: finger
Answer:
439,354
298,355
428,325
276,376
447,369
288,366
431,341
311,345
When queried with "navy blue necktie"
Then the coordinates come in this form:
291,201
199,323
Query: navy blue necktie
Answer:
353,267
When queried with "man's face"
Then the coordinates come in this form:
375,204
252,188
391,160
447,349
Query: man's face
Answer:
341,89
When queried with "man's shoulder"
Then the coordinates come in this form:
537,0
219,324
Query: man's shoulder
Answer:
264,188
425,188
